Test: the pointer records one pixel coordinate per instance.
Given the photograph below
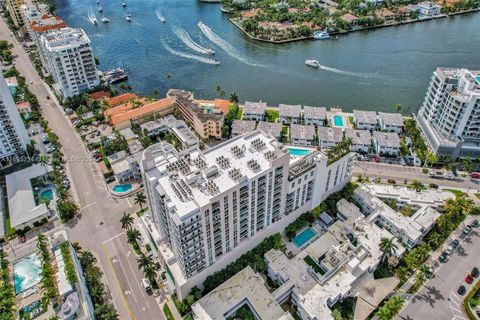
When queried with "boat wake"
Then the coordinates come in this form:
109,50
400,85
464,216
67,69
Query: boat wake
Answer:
91,17
183,35
347,73
189,56
227,47
159,15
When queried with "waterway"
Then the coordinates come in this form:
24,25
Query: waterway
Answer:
373,69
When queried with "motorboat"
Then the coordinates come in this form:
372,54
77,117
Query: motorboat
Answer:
128,17
105,20
217,62
321,35
210,52
162,19
100,9
312,63
94,20
124,4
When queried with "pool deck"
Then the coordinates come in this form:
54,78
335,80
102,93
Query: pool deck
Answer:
339,113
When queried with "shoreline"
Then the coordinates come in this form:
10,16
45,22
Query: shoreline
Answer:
400,23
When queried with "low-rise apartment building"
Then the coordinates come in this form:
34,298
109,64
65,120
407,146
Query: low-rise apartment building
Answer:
273,129
429,8
290,114
254,111
314,115
329,137
386,143
240,127
361,140
365,120
391,122
302,135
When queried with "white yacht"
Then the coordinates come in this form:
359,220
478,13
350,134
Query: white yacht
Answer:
162,19
94,20
124,4
320,35
312,63
128,17
105,20
100,9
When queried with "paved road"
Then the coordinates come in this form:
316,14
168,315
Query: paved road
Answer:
100,213
400,173
438,299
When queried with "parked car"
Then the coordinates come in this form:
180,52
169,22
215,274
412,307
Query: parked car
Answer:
22,238
51,148
376,158
475,175
467,230
110,179
469,279
433,186
68,111
146,285
474,223
454,243
475,272
45,139
461,290
48,97
443,257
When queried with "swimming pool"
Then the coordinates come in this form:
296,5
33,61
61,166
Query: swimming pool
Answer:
46,195
303,237
26,272
298,152
338,121
122,187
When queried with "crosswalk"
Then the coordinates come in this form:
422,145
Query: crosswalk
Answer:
456,306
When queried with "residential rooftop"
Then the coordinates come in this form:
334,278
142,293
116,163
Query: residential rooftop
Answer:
302,132
255,107
315,113
362,137
242,126
362,116
330,134
65,38
387,139
272,128
391,119
289,110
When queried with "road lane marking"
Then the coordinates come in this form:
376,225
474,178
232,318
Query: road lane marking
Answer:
123,270
88,206
128,202
133,272
118,235
118,282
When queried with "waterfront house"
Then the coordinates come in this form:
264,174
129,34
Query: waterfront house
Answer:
386,143
290,114
365,120
385,14
361,140
314,115
24,108
119,100
273,129
403,12
428,8
254,111
99,95
329,137
242,126
301,135
391,122
350,18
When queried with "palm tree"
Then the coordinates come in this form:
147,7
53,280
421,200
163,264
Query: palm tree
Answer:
144,261
431,159
43,161
402,273
133,235
425,271
388,247
150,273
383,313
417,185
234,97
140,199
126,221
434,239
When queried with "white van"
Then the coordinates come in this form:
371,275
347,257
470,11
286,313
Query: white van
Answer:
146,285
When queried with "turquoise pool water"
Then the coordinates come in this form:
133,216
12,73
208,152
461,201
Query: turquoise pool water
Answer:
122,187
26,272
303,237
338,121
47,195
298,152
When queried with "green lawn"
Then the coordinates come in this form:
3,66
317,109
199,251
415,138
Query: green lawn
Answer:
239,114
477,195
167,312
457,193
271,115
314,265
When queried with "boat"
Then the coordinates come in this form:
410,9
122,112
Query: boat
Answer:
312,63
98,2
115,75
210,52
216,62
94,20
128,17
105,20
162,19
124,4
100,9
321,35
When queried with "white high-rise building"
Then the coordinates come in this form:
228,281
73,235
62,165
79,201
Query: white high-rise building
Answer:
450,114
70,60
211,206
13,135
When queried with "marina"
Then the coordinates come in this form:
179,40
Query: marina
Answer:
396,62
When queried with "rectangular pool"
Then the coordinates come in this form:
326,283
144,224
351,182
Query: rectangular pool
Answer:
26,272
303,237
298,152
338,121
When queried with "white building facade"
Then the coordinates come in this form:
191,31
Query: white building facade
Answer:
13,135
450,114
70,60
210,207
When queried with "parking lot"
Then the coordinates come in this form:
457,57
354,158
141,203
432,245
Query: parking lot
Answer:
438,299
